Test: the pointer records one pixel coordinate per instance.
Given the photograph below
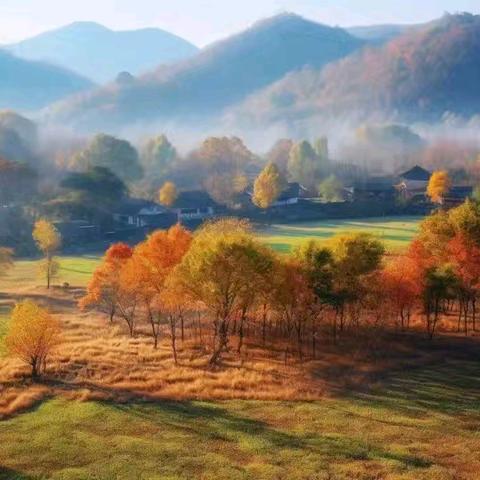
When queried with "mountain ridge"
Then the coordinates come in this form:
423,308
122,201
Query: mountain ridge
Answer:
100,53
220,75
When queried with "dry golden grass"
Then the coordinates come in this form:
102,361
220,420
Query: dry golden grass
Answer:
97,360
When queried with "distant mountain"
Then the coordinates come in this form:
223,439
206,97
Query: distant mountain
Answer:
216,78
379,33
27,85
98,53
420,75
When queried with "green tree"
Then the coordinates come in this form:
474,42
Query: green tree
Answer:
268,186
303,165
117,155
158,156
331,189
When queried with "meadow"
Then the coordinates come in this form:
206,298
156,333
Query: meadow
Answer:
111,407
418,425
395,232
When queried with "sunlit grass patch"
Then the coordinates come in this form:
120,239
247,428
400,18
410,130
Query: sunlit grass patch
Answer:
396,232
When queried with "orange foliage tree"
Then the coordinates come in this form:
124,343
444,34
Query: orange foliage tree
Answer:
103,290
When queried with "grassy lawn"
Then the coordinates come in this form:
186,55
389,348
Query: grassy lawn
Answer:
424,425
74,270
396,232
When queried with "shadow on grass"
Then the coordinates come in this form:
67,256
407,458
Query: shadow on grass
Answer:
214,422
8,474
452,388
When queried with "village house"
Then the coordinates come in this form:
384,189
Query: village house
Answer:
194,205
412,184
291,195
138,213
373,188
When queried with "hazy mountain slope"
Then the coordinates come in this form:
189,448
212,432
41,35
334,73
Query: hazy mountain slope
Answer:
27,85
379,33
420,75
100,54
217,77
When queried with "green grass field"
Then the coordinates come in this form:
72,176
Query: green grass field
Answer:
424,425
73,270
396,232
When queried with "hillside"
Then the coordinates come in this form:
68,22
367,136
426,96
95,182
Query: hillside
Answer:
217,77
99,53
379,33
418,76
27,85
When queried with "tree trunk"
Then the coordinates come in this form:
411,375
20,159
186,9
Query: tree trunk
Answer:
173,336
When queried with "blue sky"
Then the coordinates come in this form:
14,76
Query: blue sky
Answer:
203,21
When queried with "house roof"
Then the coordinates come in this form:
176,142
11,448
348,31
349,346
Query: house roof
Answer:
375,184
293,190
194,199
460,192
138,206
416,173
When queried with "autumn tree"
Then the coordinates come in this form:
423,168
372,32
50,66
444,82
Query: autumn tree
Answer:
32,335
223,161
401,286
356,256
168,194
440,285
438,186
268,186
216,272
146,274
103,290
48,241
463,255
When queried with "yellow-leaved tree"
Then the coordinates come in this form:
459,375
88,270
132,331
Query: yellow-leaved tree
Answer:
268,186
48,241
438,186
32,335
168,194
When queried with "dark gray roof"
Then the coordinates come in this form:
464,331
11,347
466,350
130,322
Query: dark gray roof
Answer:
293,190
416,173
194,199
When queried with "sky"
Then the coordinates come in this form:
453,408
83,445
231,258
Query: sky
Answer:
204,21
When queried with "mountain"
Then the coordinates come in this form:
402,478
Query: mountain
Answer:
420,75
379,33
214,79
98,53
27,85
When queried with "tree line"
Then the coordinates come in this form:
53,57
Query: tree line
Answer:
224,288
225,279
